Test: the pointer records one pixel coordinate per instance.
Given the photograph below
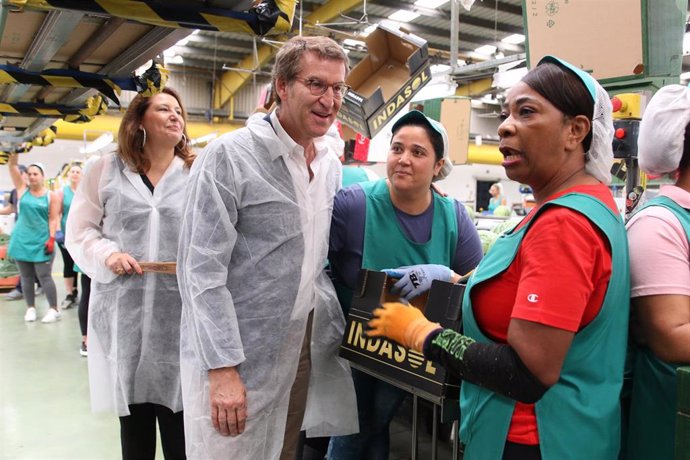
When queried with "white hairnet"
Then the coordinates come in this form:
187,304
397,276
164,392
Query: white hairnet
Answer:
39,166
599,157
600,154
662,130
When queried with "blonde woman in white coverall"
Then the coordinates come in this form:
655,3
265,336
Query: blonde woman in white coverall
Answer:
253,246
128,210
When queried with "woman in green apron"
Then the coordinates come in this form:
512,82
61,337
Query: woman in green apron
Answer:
69,273
391,222
658,235
32,242
545,314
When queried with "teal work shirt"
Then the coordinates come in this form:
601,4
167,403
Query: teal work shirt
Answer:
579,416
654,394
67,196
27,242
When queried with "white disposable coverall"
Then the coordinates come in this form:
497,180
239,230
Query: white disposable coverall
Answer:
241,256
134,320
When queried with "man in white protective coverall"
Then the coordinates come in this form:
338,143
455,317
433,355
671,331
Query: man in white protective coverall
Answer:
256,300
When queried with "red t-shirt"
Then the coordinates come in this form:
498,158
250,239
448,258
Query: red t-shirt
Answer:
558,278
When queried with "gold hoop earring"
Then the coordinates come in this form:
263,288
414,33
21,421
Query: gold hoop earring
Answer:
143,142
184,142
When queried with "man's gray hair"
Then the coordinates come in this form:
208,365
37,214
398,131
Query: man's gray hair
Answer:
288,59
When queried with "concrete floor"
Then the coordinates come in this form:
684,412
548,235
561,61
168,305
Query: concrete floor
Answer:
44,391
44,394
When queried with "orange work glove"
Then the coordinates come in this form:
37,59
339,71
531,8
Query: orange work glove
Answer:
403,323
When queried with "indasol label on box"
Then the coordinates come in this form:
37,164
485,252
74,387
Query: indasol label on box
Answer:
391,360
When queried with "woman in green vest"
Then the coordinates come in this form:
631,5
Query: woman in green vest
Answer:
658,235
391,222
70,275
545,314
32,242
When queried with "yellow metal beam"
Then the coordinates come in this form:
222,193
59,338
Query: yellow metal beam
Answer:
474,88
231,81
484,154
103,123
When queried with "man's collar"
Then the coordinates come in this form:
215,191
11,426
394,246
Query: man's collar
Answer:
289,142
283,136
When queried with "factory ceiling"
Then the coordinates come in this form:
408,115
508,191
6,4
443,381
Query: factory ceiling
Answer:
114,40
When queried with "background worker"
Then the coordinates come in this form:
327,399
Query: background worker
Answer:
11,208
541,358
388,223
32,244
497,198
658,236
65,196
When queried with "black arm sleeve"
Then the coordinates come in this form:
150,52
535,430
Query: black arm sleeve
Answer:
496,367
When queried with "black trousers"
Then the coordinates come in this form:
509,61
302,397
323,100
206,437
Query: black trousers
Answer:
84,303
138,432
513,451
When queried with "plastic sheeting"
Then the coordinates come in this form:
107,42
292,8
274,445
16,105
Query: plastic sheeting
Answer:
241,262
134,320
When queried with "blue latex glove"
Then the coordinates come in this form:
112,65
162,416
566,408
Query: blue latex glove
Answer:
416,279
60,237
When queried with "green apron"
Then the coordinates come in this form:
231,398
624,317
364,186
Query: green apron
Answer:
27,242
653,407
67,195
385,243
578,417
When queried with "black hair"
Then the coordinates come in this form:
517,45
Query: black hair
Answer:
565,91
434,136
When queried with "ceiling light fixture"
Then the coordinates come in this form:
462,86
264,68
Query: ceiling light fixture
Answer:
370,28
430,3
354,43
176,59
439,68
514,39
403,16
183,41
487,50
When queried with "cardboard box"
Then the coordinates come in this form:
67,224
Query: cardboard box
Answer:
454,113
390,361
397,66
633,39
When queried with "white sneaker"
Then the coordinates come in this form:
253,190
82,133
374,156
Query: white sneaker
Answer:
38,291
14,294
68,303
30,315
51,316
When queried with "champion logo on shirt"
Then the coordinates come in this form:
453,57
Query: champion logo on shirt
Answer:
534,298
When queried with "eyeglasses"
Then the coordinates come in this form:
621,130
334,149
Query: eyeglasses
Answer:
319,88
